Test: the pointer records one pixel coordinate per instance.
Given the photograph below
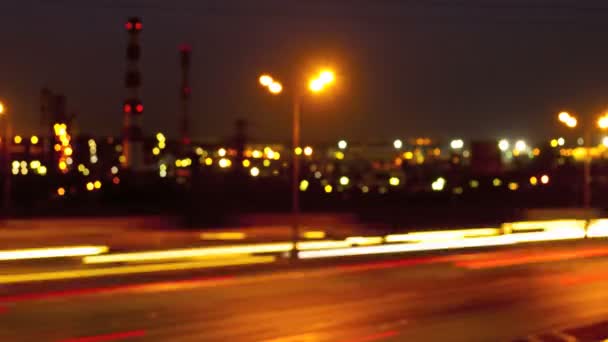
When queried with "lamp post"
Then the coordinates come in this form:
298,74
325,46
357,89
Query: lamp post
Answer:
315,85
6,192
571,121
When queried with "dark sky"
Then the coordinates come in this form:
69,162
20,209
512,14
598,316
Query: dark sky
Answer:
442,68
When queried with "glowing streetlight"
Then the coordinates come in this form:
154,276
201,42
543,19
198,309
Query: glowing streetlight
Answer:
457,144
602,122
315,85
327,76
266,80
1,108
520,146
397,144
275,88
342,144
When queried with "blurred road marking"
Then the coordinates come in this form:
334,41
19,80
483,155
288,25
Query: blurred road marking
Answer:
108,337
100,272
189,253
52,252
223,236
443,235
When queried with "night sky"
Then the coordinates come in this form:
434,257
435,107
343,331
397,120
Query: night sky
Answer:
473,69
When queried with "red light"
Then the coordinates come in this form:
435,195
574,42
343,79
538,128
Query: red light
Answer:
139,108
138,26
127,108
116,180
129,26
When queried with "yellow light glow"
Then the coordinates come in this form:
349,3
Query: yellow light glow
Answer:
68,151
60,191
328,188
544,179
342,144
246,163
172,254
571,122
54,252
474,183
122,159
257,154
178,163
97,184
339,155
298,150
275,88
265,80
34,140
304,185
2,108
34,164
327,77
42,170
313,234
364,240
160,136
156,151
533,180
408,155
161,145
266,163
307,151
62,165
513,186
316,85
441,235
57,147
602,122
394,181
90,186
563,116
133,269
225,163
221,152
17,139
254,171
553,143
344,180
208,161
223,236
598,228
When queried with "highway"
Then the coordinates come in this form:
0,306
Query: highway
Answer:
536,292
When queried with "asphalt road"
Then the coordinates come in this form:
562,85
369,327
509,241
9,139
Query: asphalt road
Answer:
539,292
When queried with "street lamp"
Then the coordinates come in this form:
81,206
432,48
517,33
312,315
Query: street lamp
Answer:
571,121
5,161
316,84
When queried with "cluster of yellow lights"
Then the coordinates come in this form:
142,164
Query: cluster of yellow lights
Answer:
567,119
273,86
322,80
225,163
91,186
21,167
63,147
161,143
183,162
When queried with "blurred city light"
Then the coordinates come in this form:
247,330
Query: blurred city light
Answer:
90,186
156,151
397,144
254,171
365,189
544,179
275,88
563,116
344,180
60,191
513,186
474,183
266,80
17,139
304,185
339,155
34,140
520,146
221,152
457,144
298,150
561,141
97,184
225,163
208,161
342,144
328,188
307,151
438,184
327,77
246,163
394,181
160,137
602,122
266,163
503,145
553,143
114,170
533,180
315,85
53,252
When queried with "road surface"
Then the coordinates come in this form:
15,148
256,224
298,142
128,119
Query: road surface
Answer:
540,292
